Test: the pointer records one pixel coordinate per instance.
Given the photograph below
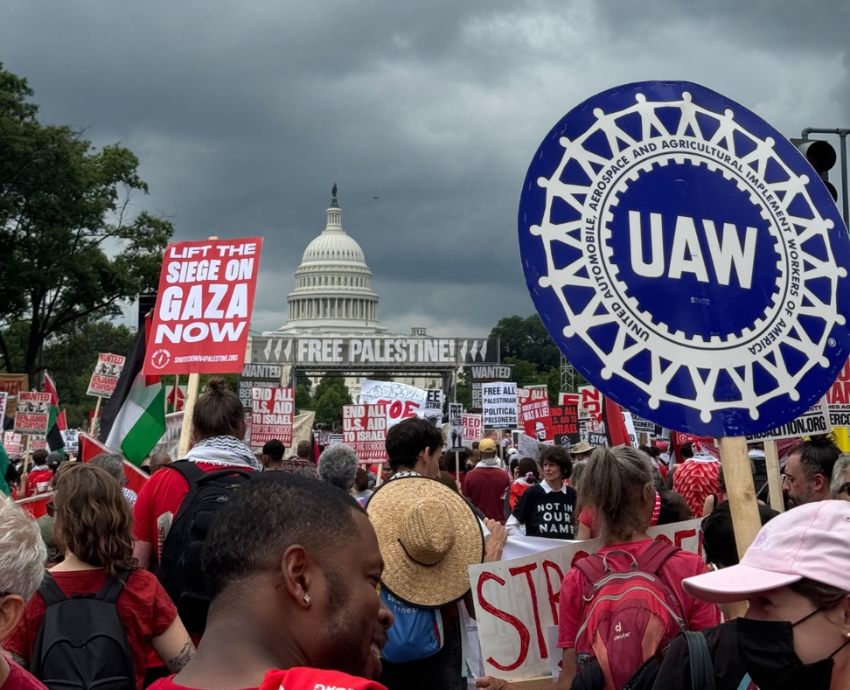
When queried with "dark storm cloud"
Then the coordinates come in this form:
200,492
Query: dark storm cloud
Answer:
245,114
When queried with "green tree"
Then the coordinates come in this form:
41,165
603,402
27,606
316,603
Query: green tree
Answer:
527,339
331,394
71,246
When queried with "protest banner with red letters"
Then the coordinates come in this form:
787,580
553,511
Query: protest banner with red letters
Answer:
534,415
565,424
4,400
203,308
13,443
272,410
517,601
33,413
473,427
106,374
364,428
838,398
400,399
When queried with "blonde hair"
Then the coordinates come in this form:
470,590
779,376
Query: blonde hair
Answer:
615,483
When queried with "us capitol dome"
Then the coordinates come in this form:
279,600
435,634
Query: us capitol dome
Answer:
333,286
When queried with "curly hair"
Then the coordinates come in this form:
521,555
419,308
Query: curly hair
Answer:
93,519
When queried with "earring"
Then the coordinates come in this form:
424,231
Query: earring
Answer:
307,600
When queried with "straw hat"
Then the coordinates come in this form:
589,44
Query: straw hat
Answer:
428,537
581,447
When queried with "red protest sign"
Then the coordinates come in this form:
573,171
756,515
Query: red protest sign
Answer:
105,376
473,427
271,415
838,398
33,413
364,428
534,413
203,309
13,443
565,424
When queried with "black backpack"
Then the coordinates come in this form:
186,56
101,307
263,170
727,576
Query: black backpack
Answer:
180,565
82,643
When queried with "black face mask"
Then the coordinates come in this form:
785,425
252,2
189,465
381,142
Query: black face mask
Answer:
767,650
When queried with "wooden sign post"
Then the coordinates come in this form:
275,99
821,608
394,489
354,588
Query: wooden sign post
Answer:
738,475
774,477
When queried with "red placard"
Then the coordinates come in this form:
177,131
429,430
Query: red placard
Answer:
203,309
13,443
364,428
534,413
271,415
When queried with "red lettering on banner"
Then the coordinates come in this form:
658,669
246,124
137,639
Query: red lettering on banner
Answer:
524,635
203,309
527,570
684,534
664,538
554,597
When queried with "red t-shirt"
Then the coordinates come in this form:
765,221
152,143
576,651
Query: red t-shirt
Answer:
143,607
696,479
160,496
38,481
21,679
298,678
486,487
697,614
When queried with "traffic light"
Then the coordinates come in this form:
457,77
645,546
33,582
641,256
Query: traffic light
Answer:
821,157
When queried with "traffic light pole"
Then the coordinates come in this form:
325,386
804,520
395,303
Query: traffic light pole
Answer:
842,133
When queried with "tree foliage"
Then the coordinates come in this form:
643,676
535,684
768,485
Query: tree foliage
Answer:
331,394
527,339
71,243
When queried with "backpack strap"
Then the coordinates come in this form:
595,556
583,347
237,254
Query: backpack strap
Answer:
113,586
702,667
188,470
592,568
50,591
655,556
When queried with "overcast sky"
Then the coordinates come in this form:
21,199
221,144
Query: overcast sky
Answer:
245,113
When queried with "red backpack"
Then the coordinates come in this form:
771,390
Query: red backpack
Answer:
629,616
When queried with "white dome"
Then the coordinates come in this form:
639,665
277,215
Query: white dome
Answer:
333,246
333,285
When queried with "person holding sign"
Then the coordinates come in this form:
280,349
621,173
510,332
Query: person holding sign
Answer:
547,509
618,484
796,632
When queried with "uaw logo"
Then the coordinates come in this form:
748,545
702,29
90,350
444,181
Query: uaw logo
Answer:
686,259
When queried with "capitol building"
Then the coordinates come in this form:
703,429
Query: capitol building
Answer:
333,295
333,286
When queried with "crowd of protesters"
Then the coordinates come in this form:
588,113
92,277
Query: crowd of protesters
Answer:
232,570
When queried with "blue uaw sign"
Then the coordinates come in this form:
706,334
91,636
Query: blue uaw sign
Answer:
687,259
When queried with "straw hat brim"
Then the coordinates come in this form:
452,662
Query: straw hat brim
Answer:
413,583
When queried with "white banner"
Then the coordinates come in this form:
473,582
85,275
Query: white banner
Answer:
517,601
454,432
402,400
4,400
814,421
473,427
499,402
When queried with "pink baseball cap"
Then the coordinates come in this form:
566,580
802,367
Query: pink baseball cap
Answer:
811,541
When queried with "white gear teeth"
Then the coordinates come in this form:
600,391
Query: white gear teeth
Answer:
727,351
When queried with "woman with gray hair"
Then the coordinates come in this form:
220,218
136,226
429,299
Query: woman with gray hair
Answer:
113,463
840,483
338,466
22,557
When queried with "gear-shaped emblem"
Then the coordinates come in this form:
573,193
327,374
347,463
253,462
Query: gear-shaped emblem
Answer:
686,259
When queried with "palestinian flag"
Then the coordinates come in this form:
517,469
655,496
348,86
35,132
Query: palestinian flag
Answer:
134,418
54,431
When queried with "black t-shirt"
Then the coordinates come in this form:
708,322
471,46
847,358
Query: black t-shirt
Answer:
550,514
